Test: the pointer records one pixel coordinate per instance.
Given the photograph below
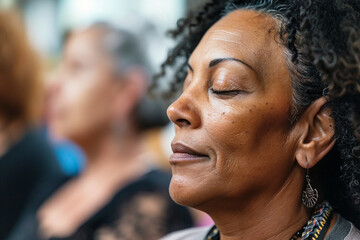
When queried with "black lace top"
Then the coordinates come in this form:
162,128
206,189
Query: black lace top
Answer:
142,210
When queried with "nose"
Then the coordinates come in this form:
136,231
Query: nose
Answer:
184,113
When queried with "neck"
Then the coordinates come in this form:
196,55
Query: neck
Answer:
113,162
113,151
276,216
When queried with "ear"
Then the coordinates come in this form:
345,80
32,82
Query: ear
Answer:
132,86
317,137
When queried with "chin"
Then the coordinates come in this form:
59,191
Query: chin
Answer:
188,192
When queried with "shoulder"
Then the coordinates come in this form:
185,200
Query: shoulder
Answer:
32,150
354,233
188,234
38,145
343,229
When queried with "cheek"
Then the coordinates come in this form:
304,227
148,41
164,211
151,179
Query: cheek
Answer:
229,126
83,106
249,140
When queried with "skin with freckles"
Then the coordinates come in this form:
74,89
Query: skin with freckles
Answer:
234,113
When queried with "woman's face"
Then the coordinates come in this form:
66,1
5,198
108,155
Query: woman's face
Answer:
233,134
84,88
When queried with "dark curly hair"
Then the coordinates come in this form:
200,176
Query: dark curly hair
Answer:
322,46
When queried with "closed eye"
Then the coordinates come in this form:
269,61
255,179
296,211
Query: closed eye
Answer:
227,92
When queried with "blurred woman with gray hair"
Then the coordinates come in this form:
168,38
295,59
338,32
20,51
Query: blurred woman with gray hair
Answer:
94,101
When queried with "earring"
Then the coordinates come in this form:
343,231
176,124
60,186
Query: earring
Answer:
309,196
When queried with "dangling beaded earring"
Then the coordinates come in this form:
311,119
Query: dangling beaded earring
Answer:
309,196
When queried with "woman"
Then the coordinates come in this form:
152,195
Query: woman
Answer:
267,126
119,195
29,172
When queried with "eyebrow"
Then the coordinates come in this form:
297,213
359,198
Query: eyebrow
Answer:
219,60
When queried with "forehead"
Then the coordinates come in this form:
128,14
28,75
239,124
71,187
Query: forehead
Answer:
245,34
243,26
84,41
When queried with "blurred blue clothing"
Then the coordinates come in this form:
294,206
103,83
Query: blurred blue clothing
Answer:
71,158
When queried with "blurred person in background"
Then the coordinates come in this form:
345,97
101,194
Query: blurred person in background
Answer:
70,157
119,195
29,172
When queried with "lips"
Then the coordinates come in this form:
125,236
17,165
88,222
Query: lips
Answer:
184,154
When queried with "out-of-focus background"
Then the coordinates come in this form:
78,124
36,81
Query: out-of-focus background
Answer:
83,149
48,23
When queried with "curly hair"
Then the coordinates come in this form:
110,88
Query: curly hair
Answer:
322,47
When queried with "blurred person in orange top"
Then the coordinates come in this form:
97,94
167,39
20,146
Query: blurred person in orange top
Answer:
120,195
28,169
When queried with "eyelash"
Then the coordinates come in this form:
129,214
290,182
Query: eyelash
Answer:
229,92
